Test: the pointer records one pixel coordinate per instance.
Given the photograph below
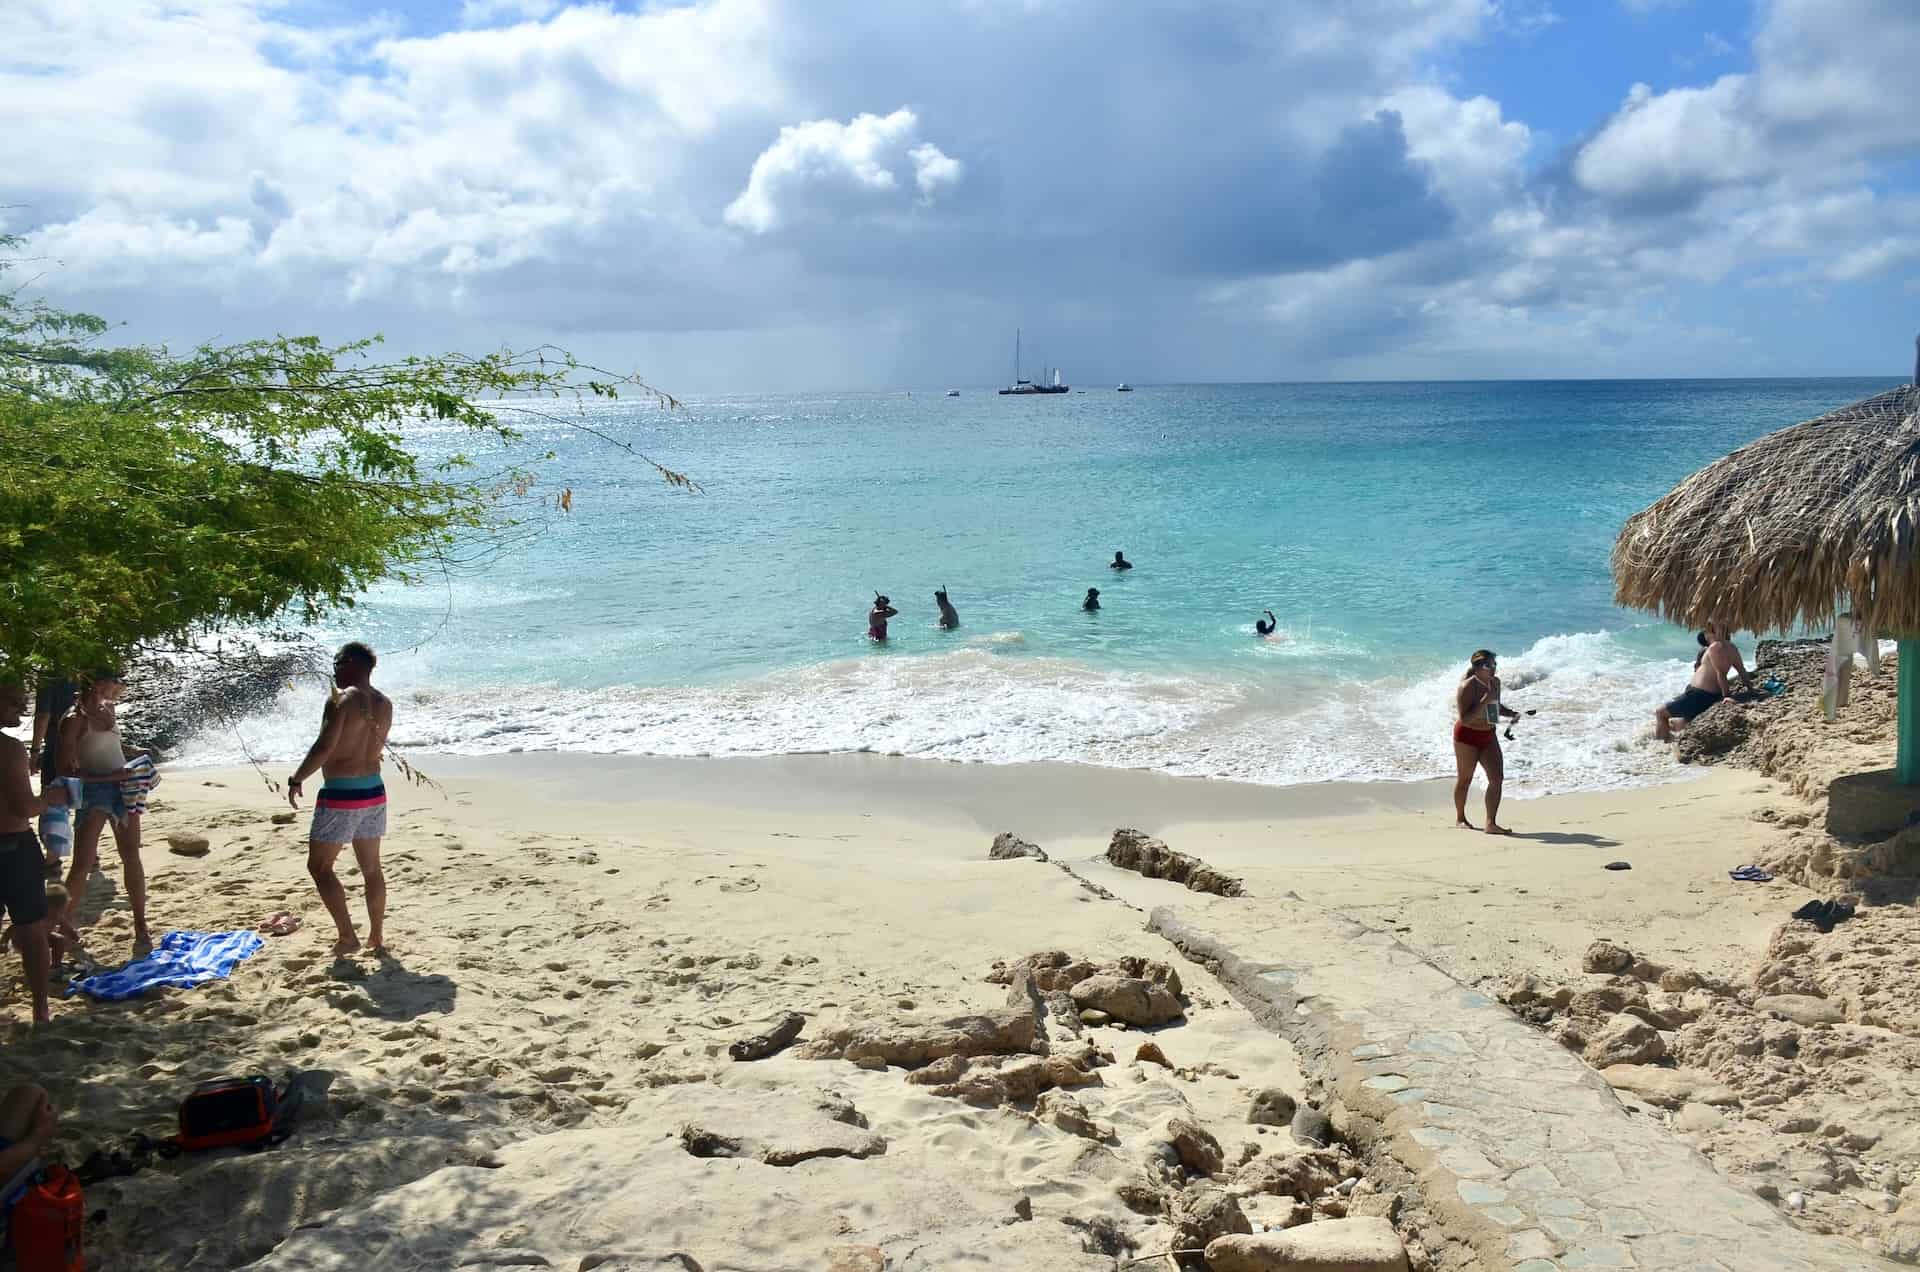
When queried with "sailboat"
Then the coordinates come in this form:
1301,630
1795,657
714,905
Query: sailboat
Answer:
1023,388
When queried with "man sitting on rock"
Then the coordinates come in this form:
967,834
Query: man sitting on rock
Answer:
1709,685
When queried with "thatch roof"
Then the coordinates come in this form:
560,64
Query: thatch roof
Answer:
1788,531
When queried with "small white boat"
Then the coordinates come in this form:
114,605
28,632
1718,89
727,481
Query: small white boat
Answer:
1124,388
953,393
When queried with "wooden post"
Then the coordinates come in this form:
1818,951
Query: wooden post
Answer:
1907,766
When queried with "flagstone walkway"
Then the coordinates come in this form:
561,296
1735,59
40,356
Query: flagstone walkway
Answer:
1519,1148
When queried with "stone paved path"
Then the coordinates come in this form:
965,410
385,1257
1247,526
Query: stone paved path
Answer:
1520,1149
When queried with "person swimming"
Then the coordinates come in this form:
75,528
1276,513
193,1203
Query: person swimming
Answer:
1265,628
949,616
877,617
1093,599
1119,562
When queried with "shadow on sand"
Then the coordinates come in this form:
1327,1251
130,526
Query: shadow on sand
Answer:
1569,839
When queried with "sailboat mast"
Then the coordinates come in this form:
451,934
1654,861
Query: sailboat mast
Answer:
1016,355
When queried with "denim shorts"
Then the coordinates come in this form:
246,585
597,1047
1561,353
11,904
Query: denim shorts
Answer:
107,796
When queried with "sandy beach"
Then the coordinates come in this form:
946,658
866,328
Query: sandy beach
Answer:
576,941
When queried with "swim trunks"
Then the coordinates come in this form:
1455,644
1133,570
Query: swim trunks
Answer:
1482,738
23,880
349,808
1693,702
876,631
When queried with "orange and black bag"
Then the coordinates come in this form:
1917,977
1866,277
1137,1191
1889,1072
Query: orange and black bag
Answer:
237,1113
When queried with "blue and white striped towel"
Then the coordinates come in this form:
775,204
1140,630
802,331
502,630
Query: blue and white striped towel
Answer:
183,960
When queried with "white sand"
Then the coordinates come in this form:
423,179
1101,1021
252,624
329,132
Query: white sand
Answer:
576,940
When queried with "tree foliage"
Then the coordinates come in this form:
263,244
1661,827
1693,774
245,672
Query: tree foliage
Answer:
146,497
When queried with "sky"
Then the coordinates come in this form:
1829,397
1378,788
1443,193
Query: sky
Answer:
802,195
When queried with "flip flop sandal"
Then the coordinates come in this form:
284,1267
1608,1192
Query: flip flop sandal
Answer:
1750,874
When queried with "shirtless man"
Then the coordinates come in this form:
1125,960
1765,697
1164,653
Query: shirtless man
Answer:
352,805
1476,741
877,617
1119,562
1709,683
23,888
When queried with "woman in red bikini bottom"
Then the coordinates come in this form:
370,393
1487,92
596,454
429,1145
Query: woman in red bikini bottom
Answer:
1476,740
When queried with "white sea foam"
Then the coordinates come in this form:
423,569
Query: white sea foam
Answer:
1592,694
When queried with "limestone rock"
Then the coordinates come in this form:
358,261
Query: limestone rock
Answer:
1150,1053
913,1043
1625,1040
1333,1245
1007,845
1049,1008
1698,1118
990,1081
779,1136
1202,1214
856,1259
185,845
1128,999
1094,1019
1668,1088
1199,1151
1148,969
1522,989
1299,1173
1132,850
1058,1109
1271,1107
1801,1009
283,819
1605,956
1311,1126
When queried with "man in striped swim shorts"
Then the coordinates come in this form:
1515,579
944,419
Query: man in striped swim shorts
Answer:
352,805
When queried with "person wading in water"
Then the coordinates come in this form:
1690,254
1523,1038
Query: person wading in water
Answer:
1476,741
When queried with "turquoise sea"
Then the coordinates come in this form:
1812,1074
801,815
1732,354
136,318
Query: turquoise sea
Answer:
1392,528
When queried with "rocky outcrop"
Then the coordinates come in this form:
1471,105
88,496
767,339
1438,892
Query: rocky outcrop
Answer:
1625,1040
913,1043
1129,999
1271,1107
1333,1245
1199,1151
1202,1214
990,1081
779,1136
173,695
1145,855
1302,1173
1007,846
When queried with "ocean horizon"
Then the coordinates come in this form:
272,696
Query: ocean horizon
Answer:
1391,527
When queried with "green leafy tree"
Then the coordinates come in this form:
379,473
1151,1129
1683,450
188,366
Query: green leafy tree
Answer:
146,498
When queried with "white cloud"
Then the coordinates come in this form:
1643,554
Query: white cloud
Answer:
1825,96
823,161
1474,154
1234,188
487,12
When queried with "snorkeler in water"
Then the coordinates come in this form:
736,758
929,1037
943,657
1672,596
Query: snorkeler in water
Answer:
1093,599
877,617
949,616
1264,628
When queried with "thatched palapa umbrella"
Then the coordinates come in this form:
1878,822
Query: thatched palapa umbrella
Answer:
1814,520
